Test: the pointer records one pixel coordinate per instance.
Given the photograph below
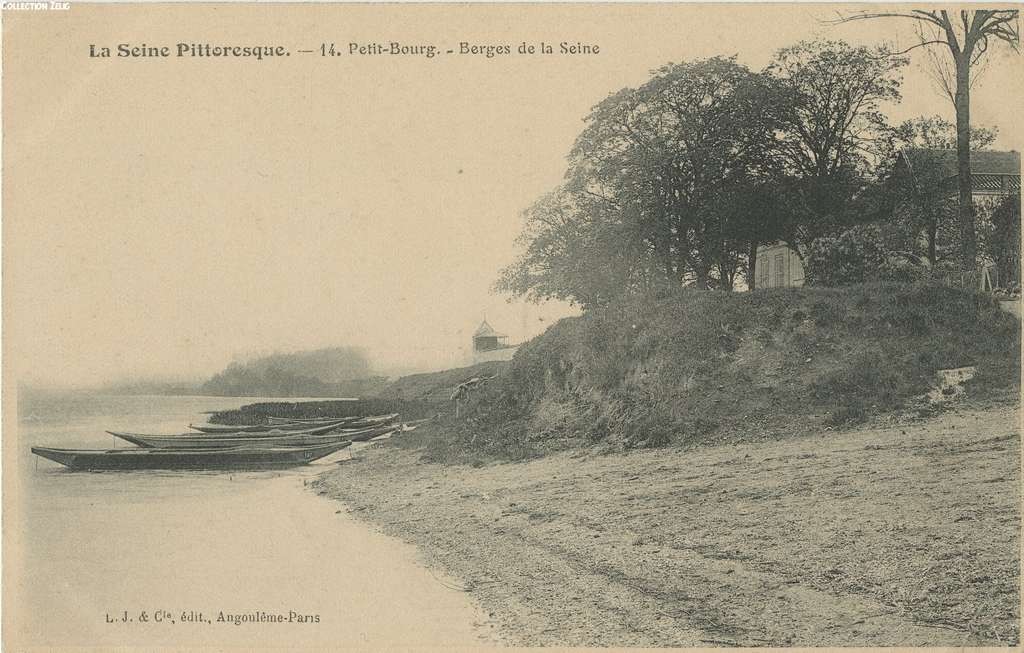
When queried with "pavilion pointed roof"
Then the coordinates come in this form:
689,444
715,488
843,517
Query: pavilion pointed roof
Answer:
485,330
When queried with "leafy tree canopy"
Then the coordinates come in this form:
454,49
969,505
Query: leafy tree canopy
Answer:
676,182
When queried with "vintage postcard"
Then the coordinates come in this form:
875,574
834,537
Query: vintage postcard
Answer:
464,326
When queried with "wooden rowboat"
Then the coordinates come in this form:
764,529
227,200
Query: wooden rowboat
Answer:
312,422
193,441
348,422
234,458
376,420
217,428
298,428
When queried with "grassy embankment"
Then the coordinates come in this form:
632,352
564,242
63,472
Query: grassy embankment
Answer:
696,368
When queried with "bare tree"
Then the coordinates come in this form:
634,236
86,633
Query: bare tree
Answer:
967,35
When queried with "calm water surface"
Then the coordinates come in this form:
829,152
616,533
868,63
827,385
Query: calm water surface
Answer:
89,547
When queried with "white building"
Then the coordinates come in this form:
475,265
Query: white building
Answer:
778,266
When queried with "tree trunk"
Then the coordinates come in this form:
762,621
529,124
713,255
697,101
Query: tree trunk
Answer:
726,275
933,229
968,239
702,274
752,266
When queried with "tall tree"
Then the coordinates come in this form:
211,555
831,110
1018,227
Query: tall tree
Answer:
678,181
672,152
966,35
577,248
833,133
915,175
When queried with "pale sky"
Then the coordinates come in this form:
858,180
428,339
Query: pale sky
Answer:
164,217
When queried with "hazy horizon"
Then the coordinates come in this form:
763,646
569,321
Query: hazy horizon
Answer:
194,381
164,218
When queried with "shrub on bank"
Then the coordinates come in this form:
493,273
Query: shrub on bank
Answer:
867,252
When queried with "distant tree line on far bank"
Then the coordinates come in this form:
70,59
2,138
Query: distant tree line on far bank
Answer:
330,372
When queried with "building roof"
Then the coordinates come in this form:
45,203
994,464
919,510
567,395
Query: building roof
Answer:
485,330
991,171
983,162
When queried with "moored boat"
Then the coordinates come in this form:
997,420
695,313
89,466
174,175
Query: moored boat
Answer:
242,457
311,421
367,434
272,428
374,420
194,441
347,422
240,428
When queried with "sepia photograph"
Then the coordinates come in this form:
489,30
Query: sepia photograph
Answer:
393,326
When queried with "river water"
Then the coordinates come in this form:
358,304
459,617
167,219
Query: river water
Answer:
189,559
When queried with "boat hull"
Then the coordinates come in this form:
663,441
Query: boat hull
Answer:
347,422
265,428
239,458
279,421
277,429
188,441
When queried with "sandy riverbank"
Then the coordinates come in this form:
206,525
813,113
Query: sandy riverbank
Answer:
875,537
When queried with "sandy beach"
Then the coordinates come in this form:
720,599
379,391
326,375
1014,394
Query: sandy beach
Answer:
895,535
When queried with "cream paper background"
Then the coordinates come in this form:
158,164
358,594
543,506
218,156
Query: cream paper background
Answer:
141,197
